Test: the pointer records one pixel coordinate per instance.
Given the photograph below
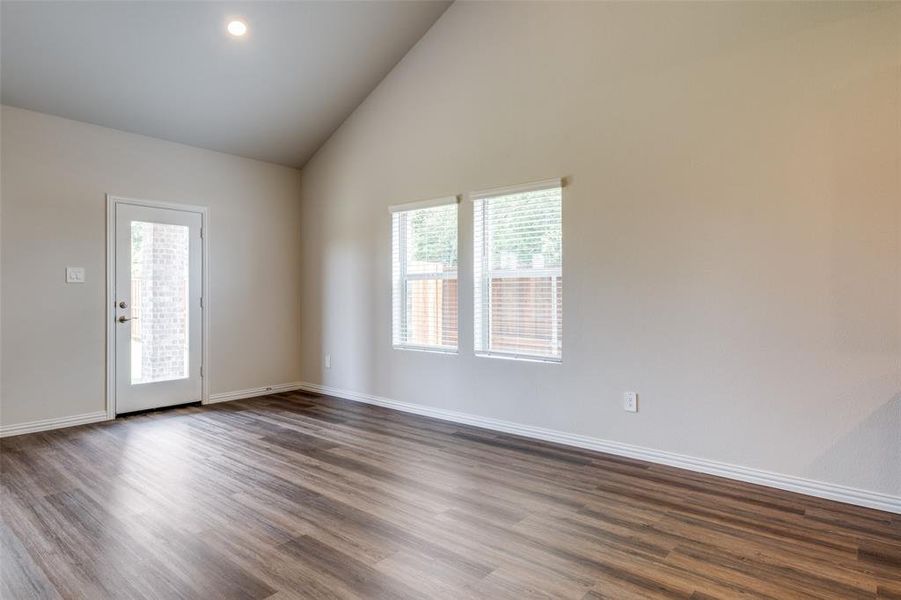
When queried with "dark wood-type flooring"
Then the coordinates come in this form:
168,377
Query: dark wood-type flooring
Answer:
299,496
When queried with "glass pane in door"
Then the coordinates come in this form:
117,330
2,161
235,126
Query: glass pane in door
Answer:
159,302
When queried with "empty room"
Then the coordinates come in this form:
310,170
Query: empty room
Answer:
414,299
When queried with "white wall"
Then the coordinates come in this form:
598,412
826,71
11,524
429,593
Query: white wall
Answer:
55,174
731,224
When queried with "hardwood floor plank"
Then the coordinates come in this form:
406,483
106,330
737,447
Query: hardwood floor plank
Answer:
299,495
20,577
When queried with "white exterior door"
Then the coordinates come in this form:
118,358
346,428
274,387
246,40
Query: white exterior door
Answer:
158,307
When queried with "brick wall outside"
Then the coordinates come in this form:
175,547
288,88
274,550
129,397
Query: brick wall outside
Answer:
159,297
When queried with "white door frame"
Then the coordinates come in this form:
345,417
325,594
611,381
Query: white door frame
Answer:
110,312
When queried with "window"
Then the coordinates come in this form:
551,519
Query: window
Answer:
424,243
517,263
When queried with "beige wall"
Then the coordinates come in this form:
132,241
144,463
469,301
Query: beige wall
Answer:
55,174
731,224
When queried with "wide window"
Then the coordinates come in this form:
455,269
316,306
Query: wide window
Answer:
424,241
517,262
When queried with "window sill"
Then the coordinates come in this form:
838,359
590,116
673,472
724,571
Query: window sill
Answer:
451,351
520,357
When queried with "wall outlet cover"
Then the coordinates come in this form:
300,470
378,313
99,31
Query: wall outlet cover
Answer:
74,274
630,401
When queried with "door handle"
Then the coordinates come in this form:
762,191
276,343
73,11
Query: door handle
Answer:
124,319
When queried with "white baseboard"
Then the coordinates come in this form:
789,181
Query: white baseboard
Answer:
96,417
56,423
791,483
252,392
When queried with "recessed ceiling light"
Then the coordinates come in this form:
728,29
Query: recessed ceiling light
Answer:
237,28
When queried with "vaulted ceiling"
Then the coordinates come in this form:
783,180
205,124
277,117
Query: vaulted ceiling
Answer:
170,70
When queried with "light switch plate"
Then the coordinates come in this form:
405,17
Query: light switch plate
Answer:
74,274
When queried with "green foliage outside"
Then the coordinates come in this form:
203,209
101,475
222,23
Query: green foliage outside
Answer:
434,235
525,225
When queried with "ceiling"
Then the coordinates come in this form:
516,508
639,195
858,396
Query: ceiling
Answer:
170,70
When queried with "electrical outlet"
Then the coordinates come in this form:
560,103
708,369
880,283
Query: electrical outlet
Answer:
630,401
328,361
74,274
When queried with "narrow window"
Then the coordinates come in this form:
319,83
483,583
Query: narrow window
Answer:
517,263
424,243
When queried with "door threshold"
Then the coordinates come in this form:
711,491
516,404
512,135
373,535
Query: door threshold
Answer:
145,411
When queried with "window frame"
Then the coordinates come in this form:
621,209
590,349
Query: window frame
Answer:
488,275
399,285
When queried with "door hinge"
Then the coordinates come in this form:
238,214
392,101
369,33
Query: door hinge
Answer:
201,370
201,302
201,232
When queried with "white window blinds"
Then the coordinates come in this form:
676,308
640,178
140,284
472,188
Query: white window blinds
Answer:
517,263
424,244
